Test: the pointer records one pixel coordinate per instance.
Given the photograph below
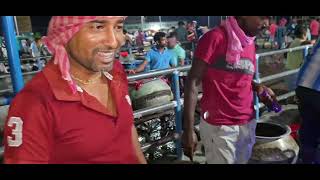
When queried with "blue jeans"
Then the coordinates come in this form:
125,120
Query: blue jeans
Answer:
309,107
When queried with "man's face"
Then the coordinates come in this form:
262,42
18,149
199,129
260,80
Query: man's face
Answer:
95,45
163,42
252,24
172,42
39,41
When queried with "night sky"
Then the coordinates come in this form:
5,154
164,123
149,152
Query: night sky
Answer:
40,23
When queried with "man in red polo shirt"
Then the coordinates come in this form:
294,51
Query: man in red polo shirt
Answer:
314,28
77,110
225,64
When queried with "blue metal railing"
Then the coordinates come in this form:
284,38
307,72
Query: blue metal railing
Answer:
13,54
258,80
176,104
178,112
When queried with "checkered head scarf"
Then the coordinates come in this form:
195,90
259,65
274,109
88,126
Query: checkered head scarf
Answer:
60,31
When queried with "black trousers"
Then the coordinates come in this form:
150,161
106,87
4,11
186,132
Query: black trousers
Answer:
309,107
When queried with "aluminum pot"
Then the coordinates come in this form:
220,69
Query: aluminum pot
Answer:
274,145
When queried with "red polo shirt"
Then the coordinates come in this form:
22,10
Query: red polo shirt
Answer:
49,124
227,87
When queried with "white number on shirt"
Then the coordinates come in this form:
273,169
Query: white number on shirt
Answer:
15,141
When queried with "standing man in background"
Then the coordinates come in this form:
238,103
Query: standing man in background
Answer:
159,57
314,28
225,65
308,93
178,52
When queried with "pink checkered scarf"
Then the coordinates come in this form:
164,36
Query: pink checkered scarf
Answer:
237,40
61,30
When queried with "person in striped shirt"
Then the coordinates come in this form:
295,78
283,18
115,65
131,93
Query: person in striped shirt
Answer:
308,93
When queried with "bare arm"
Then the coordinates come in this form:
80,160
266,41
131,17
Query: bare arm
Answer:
181,62
140,68
189,141
137,146
196,73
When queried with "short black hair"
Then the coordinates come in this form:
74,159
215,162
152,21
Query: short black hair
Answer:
181,23
37,39
172,34
300,31
158,36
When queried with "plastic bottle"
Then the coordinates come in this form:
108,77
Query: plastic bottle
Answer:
271,103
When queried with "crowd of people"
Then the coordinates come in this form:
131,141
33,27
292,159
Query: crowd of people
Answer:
84,112
27,47
281,33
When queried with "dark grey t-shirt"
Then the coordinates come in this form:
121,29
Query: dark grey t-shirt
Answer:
182,34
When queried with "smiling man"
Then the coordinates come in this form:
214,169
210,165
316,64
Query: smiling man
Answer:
77,110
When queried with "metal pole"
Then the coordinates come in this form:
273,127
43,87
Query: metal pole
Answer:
208,21
158,73
256,98
151,110
279,75
16,24
13,55
176,88
305,52
160,22
284,50
142,22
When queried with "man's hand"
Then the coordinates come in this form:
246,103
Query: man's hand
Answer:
137,146
189,143
261,88
189,138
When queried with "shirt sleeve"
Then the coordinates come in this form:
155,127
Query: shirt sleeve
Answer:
148,56
182,54
28,131
208,46
173,60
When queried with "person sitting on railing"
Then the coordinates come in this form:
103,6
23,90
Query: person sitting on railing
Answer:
159,57
140,38
295,58
77,110
225,64
308,93
38,49
128,40
315,28
281,34
179,56
272,29
178,52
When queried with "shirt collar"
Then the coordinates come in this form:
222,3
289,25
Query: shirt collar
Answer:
63,92
58,85
157,50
